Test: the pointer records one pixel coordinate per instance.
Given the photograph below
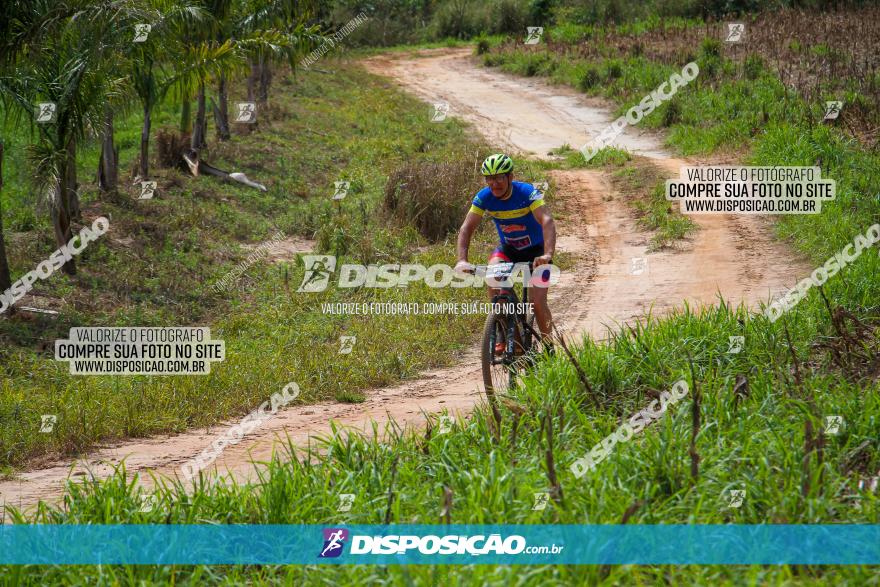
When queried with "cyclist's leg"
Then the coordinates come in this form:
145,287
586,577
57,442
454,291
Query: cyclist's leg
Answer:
499,255
538,296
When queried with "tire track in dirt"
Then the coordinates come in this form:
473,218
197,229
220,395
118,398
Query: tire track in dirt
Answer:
734,256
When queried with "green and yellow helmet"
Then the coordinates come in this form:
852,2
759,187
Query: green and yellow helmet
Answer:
497,164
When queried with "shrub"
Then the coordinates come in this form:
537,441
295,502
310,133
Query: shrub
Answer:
752,66
170,147
711,48
454,19
672,114
493,59
613,70
589,78
432,197
506,17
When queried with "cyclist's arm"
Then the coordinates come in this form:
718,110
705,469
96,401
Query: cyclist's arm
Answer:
465,233
542,215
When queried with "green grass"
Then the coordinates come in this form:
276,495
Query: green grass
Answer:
323,128
573,33
643,187
754,440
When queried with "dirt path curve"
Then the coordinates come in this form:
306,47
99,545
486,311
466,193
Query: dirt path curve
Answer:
735,256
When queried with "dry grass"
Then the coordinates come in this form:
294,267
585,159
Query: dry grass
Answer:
821,55
433,197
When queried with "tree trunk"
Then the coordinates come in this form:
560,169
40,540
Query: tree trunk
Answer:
70,184
200,125
144,167
265,82
185,117
108,164
5,277
60,212
252,81
221,114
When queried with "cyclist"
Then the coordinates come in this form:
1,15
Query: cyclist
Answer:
525,228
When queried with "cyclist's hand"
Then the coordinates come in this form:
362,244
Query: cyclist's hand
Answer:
464,267
543,260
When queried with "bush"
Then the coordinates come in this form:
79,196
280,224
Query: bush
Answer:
493,59
588,79
711,48
432,197
454,19
506,17
613,69
672,114
753,66
170,147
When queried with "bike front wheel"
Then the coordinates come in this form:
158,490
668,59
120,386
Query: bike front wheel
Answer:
500,368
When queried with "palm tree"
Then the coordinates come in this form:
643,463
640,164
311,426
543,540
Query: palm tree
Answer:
58,51
22,24
169,21
288,17
259,31
5,277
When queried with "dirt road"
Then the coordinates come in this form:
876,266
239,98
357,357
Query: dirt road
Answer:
733,256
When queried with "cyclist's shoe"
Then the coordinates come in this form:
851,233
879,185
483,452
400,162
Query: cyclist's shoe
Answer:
501,347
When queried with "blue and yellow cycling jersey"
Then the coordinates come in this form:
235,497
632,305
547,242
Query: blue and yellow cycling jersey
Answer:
517,226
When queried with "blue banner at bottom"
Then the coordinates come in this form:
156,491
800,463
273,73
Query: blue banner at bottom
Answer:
843,544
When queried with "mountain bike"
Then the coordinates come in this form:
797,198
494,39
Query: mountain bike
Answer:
509,334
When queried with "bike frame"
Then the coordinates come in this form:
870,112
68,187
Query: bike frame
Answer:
508,296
